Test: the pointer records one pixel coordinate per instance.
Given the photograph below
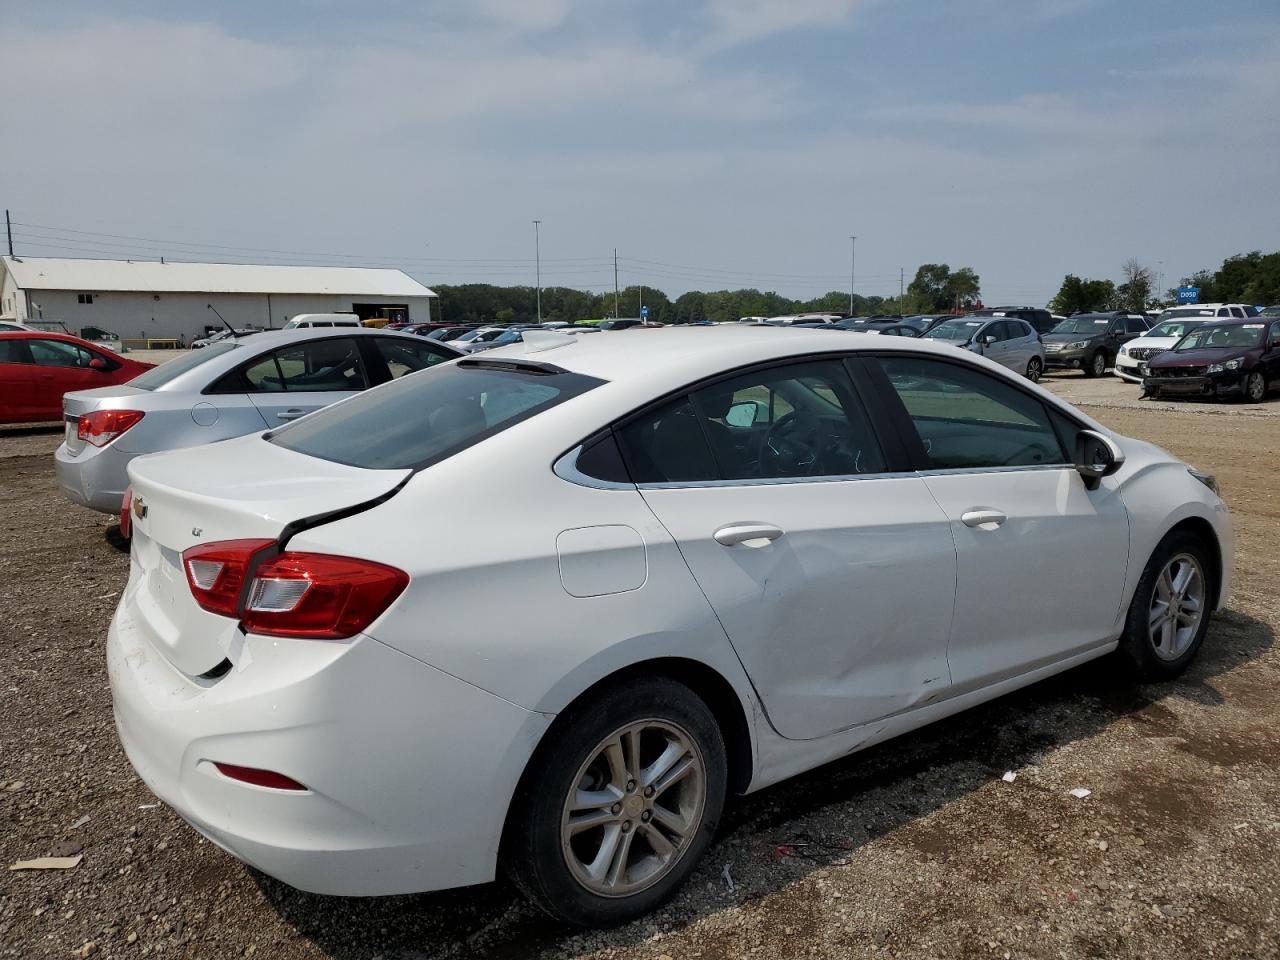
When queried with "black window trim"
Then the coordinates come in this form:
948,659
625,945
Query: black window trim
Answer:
238,370
895,456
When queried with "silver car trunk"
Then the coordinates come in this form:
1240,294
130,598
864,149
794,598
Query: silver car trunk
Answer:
76,404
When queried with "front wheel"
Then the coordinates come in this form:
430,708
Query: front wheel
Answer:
1169,614
1097,365
1035,367
1255,386
620,805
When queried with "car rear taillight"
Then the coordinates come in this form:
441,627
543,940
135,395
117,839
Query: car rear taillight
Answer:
216,571
102,426
126,513
300,595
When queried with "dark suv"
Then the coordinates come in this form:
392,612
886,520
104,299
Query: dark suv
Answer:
1090,341
1224,358
1041,320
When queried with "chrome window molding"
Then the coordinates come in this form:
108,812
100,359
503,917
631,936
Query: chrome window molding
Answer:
566,468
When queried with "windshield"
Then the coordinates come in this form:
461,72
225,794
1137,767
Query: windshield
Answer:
388,428
1186,313
955,330
1216,338
172,369
468,336
1084,324
1172,328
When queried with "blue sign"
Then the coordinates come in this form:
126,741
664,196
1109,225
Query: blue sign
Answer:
1188,294
644,311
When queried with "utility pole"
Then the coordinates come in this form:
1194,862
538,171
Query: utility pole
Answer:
853,263
615,283
902,274
8,229
537,259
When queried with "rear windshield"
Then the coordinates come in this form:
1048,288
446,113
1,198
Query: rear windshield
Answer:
172,369
416,421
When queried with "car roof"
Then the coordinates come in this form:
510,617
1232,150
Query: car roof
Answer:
43,335
668,357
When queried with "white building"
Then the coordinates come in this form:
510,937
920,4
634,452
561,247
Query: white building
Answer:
147,299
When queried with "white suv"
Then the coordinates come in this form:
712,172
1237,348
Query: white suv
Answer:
1171,326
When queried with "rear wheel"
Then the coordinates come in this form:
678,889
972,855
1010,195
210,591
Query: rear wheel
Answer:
1097,365
1169,614
1255,386
1035,367
620,806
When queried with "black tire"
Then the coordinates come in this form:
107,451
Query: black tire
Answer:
1136,651
1255,387
1097,364
1035,369
532,849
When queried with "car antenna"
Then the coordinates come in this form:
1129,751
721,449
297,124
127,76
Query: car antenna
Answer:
233,330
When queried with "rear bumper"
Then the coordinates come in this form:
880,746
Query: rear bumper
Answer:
95,478
1219,385
409,771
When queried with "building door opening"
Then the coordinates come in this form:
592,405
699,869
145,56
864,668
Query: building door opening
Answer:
381,313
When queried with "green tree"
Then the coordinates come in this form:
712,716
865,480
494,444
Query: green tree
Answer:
1078,295
934,284
1138,286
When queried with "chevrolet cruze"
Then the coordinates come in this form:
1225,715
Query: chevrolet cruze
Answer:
725,559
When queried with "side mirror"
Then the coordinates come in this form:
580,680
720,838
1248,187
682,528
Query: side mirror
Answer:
1097,456
97,363
742,414
988,340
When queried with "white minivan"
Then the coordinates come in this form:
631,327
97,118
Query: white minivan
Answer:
304,320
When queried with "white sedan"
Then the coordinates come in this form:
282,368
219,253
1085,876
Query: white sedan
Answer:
704,563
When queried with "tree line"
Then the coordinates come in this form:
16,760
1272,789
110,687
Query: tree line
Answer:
935,289
1243,278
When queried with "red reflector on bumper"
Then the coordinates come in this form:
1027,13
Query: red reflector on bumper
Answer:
259,778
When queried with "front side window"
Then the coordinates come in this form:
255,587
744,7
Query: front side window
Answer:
794,421
406,357
55,353
969,419
1134,325
416,421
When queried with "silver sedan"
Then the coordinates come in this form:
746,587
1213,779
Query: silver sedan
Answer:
230,388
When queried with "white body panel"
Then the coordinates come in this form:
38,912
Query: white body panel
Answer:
1126,367
528,588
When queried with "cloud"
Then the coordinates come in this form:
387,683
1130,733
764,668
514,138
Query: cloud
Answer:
739,21
525,14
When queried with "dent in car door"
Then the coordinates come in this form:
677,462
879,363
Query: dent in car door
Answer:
1042,560
836,593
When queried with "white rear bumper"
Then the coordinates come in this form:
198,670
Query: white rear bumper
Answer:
409,770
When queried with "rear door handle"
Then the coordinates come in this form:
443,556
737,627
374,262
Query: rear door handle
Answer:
293,414
985,519
748,534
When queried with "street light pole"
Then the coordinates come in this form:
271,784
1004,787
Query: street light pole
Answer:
537,259
853,263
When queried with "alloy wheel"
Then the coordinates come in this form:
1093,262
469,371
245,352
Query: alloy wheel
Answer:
634,808
1099,364
1177,607
1033,369
1256,386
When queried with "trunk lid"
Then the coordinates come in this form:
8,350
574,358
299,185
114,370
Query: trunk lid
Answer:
238,489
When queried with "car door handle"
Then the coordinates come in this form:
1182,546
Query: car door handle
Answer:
293,414
746,533
987,519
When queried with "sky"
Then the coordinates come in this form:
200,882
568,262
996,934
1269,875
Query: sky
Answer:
714,143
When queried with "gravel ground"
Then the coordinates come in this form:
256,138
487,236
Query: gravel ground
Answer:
917,848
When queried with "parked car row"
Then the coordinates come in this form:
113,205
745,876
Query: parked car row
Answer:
724,560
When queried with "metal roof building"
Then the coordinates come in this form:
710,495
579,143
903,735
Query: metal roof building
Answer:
149,299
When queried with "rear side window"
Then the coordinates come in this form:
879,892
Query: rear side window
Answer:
967,418
14,351
414,422
317,366
405,356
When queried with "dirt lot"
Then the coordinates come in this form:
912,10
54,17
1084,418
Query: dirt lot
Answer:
915,849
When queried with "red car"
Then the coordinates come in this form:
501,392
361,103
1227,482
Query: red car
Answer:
36,369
